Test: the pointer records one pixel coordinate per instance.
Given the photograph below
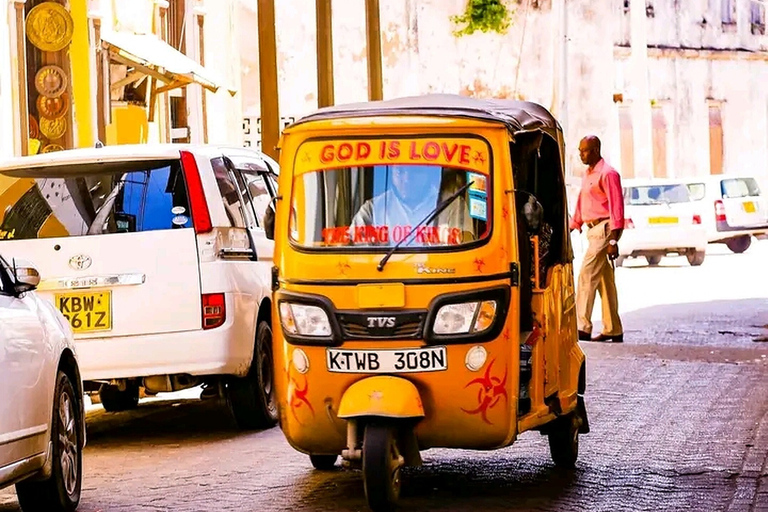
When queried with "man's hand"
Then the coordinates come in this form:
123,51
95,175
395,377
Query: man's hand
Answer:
613,250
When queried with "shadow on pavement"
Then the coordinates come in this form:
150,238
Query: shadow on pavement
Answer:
160,422
459,484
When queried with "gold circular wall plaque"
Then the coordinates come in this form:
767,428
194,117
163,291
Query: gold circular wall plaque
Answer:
34,128
52,107
49,27
51,81
50,148
53,128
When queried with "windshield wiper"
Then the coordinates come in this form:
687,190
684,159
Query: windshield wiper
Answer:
431,215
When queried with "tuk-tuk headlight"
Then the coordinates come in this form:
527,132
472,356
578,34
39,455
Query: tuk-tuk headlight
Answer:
465,318
304,320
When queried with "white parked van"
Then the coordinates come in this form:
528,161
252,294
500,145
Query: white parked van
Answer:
733,209
157,257
661,219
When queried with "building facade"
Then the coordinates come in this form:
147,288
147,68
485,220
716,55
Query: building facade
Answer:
673,88
75,72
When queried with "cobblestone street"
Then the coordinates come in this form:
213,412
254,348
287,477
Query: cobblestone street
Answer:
679,418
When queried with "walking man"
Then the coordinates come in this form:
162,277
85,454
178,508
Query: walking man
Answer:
600,207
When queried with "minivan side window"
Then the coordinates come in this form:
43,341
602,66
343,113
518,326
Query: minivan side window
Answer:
145,196
258,194
697,191
229,193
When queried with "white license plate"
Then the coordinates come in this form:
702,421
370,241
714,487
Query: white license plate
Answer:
406,360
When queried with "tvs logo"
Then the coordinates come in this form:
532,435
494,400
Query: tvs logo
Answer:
492,390
381,321
80,262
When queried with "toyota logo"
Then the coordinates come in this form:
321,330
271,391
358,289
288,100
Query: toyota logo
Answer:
80,262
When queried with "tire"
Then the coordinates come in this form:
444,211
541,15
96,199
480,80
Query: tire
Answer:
381,467
739,244
252,398
564,441
653,260
620,261
323,462
696,258
114,400
61,491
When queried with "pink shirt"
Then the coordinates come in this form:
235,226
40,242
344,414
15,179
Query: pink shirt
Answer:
600,197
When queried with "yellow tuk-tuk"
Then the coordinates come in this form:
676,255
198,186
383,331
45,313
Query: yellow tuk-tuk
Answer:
423,285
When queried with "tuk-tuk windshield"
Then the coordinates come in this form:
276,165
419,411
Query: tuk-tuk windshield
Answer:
378,205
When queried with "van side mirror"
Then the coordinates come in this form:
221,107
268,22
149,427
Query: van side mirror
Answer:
269,223
26,276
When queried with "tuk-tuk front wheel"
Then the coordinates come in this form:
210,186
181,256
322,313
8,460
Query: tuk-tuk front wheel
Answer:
323,462
381,467
564,441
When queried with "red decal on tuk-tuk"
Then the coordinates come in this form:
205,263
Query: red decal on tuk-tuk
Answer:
343,235
297,397
479,264
491,391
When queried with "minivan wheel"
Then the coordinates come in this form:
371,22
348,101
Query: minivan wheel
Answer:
696,258
115,400
61,491
653,260
252,398
739,244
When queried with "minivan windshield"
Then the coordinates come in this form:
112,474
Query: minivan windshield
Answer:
656,194
377,205
147,196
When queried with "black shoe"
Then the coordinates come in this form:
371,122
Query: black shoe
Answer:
609,338
585,336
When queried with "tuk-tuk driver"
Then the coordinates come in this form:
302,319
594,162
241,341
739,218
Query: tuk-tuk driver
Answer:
413,193
600,207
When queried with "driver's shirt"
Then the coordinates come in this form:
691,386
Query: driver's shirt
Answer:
389,210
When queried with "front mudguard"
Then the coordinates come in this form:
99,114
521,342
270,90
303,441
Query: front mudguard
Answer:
381,396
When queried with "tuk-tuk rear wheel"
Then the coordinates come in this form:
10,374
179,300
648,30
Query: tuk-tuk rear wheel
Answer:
323,462
381,467
564,441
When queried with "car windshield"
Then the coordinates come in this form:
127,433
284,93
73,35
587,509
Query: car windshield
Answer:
378,204
740,187
656,194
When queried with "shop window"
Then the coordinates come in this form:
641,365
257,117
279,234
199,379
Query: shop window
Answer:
715,140
728,12
659,123
177,30
627,142
757,18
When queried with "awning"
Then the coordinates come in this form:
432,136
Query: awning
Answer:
151,56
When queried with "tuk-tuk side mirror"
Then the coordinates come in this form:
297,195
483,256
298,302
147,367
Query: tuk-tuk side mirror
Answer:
534,214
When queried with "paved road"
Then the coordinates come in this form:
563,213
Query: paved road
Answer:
679,417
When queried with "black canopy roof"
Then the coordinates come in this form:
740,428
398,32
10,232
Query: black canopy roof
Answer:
517,116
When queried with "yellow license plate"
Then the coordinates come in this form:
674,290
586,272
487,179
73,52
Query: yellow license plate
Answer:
749,207
662,220
87,311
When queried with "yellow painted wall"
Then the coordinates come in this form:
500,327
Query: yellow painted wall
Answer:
83,98
129,125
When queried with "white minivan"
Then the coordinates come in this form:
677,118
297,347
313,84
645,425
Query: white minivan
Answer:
156,254
733,209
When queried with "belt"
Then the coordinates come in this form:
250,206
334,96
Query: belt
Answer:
592,223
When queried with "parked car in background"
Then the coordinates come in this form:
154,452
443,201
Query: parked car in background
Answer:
733,209
661,220
156,255
42,430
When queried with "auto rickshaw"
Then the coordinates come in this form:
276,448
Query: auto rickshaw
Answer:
423,285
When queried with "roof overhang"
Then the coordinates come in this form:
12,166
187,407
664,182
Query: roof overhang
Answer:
151,56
